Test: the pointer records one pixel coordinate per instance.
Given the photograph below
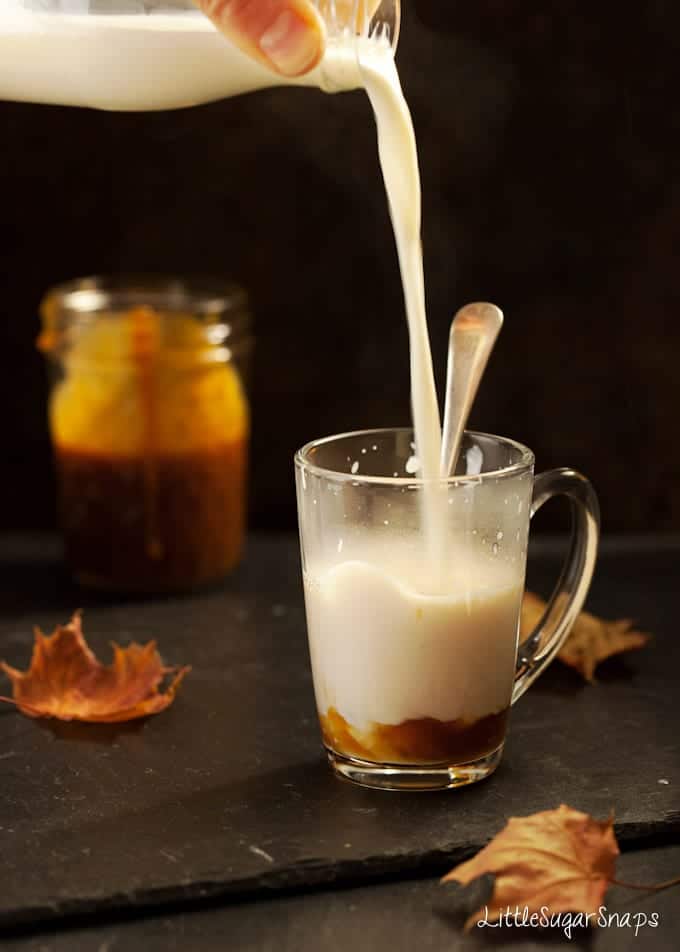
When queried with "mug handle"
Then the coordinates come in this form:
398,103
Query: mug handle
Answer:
539,649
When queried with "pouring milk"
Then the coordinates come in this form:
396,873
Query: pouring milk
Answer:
401,645
169,60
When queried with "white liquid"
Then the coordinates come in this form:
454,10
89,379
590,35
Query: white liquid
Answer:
385,652
138,62
399,163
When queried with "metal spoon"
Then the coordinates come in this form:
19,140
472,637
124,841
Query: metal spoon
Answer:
473,334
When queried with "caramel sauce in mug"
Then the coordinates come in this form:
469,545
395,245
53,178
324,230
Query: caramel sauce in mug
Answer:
424,741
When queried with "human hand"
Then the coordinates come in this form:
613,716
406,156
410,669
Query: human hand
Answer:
287,36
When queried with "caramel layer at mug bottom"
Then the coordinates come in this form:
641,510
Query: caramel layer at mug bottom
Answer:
424,740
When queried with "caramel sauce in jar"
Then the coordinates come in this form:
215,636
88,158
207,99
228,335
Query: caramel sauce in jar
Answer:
184,530
150,424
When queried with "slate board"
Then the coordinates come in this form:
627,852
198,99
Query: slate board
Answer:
398,915
228,791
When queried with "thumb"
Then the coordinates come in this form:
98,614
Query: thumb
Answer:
288,36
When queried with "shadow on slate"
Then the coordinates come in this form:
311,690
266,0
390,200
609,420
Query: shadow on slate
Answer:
228,793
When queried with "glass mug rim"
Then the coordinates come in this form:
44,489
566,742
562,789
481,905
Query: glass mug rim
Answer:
302,460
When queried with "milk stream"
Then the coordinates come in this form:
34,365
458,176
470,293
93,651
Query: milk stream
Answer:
399,163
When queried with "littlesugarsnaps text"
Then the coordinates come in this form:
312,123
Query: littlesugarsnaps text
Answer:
520,917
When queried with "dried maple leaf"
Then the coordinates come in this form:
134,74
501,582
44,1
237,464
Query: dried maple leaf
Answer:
562,859
66,681
591,639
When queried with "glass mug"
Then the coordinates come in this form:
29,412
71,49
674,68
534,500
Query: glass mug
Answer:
413,635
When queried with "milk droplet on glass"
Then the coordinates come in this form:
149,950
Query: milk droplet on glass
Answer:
474,458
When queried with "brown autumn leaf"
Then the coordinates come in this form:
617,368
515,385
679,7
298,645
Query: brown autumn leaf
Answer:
65,680
562,859
590,641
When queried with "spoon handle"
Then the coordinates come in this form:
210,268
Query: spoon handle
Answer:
473,334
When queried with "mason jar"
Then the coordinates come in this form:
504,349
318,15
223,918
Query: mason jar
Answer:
149,420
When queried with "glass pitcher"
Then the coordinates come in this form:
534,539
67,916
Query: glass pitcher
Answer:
137,55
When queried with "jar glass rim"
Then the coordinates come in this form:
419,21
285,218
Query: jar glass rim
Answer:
94,293
74,305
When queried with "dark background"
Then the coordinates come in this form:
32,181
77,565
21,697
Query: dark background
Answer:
549,138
